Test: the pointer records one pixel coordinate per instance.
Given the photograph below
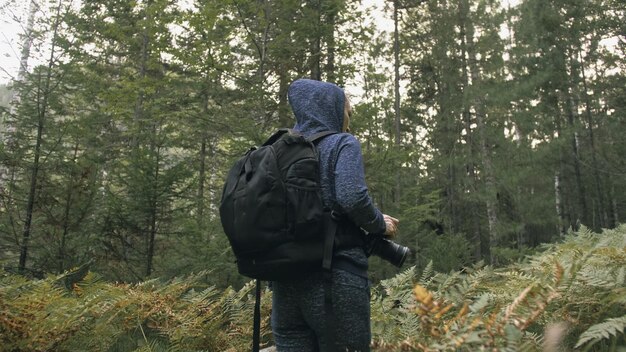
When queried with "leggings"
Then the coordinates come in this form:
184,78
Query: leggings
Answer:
298,319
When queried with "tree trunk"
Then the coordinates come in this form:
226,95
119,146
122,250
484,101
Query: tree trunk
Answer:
396,100
66,214
470,166
316,42
202,168
569,213
558,203
284,115
201,178
330,45
490,184
449,153
154,206
451,197
594,160
31,195
570,106
396,75
138,112
614,207
42,111
28,41
488,171
8,130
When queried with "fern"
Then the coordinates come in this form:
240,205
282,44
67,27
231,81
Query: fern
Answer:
403,279
481,303
578,284
427,274
90,315
604,330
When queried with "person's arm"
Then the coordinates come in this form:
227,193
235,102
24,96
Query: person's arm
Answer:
351,191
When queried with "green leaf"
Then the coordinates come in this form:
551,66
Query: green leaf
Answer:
604,330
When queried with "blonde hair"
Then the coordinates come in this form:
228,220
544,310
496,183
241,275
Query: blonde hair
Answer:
347,112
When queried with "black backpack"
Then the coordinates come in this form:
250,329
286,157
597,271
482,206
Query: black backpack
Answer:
274,218
271,208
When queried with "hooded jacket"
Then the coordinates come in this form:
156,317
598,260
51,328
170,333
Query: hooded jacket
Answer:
319,106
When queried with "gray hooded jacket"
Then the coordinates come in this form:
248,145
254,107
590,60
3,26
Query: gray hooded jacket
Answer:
319,106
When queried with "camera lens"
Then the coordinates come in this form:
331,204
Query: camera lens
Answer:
390,251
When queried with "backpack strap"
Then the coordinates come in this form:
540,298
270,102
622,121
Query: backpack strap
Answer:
314,138
329,243
276,136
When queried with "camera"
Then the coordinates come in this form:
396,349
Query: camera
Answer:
385,249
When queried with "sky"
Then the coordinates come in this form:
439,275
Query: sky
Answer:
9,38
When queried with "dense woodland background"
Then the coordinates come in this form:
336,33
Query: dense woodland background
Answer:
486,128
493,131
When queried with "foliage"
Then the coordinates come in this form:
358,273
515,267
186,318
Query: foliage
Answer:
578,283
115,148
68,313
508,129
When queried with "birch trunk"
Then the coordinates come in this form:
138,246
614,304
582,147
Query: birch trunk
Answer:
396,101
558,203
28,41
8,130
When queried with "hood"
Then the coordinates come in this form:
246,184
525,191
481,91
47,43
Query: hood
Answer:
318,106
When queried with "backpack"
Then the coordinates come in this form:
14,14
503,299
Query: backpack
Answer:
272,212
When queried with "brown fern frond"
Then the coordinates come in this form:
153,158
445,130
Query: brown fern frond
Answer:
558,274
459,318
443,311
521,298
541,307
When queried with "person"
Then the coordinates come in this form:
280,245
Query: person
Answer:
298,317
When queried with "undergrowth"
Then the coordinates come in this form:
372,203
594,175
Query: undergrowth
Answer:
571,296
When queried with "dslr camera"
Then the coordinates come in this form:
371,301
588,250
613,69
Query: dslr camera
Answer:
388,250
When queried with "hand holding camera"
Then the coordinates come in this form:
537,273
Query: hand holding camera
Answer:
392,226
380,245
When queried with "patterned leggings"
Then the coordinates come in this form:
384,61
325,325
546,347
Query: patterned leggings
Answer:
298,321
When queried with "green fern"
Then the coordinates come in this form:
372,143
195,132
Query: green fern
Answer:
576,283
427,274
604,330
481,303
579,283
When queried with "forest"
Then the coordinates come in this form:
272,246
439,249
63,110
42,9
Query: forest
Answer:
490,129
